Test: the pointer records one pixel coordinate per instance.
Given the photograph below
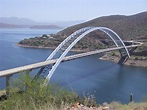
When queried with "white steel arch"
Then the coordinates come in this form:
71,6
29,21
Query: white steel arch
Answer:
83,32
72,36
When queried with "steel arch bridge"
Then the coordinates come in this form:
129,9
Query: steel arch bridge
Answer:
66,45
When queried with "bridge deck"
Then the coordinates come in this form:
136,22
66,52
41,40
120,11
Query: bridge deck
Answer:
45,63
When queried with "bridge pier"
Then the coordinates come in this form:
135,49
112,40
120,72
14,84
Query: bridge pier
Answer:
123,60
8,84
125,57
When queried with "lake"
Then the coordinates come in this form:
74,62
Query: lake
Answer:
105,80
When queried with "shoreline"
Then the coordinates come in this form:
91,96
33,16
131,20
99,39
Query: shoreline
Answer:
115,59
41,47
130,62
37,47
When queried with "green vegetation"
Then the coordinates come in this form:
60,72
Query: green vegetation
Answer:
43,41
26,94
52,41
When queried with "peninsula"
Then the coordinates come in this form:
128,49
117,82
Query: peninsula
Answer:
132,27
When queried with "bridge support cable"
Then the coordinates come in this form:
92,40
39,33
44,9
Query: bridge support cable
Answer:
115,38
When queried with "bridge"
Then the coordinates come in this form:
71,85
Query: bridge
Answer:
51,63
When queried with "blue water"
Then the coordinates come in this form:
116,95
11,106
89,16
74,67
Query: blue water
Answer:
107,81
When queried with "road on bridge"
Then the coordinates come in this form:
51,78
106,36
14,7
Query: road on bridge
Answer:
67,58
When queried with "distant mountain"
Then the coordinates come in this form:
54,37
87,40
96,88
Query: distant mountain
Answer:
17,21
128,27
45,27
14,22
31,23
4,25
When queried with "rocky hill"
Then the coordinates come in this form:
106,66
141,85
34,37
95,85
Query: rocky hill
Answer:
127,27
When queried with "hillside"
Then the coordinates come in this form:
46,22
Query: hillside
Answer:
127,27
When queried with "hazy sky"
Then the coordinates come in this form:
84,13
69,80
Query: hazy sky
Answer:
67,10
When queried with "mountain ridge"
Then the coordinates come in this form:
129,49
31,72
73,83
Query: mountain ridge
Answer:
4,25
126,26
17,21
132,27
29,22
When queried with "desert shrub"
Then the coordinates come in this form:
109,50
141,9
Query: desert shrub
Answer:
26,94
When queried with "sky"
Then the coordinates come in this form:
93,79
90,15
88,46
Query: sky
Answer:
69,10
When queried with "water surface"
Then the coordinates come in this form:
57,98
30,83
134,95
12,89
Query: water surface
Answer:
106,80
